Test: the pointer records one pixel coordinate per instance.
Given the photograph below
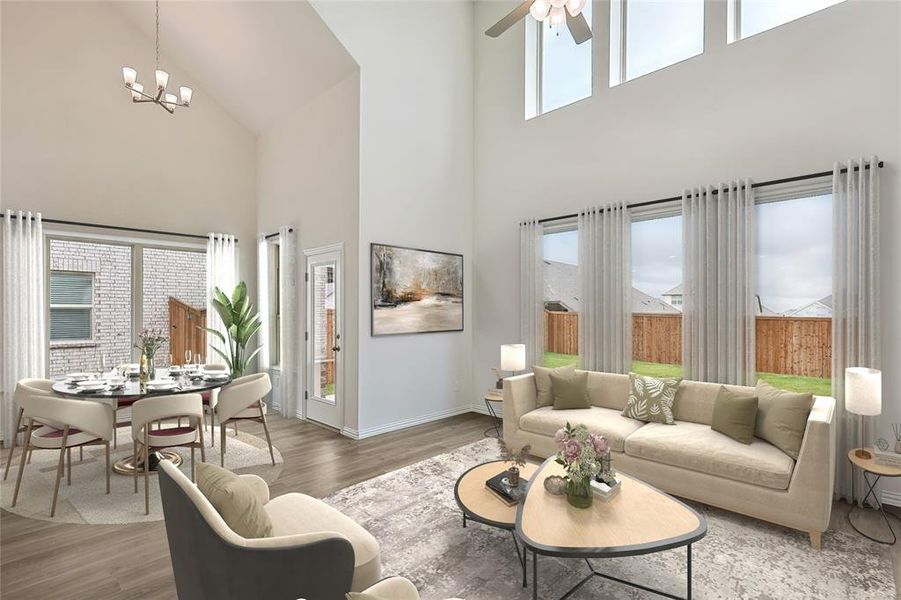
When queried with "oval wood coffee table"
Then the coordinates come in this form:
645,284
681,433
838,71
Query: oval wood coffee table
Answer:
479,504
638,520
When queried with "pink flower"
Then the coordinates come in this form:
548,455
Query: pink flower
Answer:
600,443
572,450
560,438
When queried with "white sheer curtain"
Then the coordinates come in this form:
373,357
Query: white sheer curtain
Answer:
24,330
222,273
289,328
855,294
605,278
263,300
531,290
719,309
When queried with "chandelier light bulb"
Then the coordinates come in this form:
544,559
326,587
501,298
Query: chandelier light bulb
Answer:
129,75
136,90
574,7
540,9
171,99
162,79
557,17
186,94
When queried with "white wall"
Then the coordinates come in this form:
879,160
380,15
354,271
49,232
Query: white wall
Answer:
308,167
416,178
786,102
76,148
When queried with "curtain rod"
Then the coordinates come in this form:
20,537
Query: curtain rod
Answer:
880,164
269,236
121,228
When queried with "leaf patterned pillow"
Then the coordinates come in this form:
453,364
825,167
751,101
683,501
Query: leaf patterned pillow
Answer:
651,398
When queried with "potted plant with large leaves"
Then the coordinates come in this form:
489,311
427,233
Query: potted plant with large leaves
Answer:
241,323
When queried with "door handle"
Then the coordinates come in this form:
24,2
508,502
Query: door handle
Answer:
336,348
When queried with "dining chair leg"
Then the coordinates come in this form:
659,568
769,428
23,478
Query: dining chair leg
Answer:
22,462
236,429
266,431
134,463
30,454
115,436
193,454
202,443
12,446
59,469
146,472
68,466
107,467
222,442
81,453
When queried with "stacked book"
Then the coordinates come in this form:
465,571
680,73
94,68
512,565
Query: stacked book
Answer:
605,490
506,493
887,458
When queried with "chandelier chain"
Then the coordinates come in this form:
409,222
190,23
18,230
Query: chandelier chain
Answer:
157,34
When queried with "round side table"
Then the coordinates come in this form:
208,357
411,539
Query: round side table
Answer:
869,467
494,396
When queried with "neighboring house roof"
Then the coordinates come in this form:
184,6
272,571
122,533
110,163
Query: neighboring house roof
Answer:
561,284
676,291
817,308
767,311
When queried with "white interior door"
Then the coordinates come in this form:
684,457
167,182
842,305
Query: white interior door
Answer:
325,375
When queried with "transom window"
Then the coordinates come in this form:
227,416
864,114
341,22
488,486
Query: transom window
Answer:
750,17
648,35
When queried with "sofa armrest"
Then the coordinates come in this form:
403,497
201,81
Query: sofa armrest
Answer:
814,474
296,540
396,588
258,485
520,397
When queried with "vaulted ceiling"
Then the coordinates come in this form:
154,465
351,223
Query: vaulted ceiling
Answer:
260,59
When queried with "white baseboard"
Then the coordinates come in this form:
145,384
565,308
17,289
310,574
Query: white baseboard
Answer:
890,497
404,423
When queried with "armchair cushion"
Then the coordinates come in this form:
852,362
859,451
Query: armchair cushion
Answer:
392,588
237,500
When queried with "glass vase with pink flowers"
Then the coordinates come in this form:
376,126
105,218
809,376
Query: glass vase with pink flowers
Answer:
582,455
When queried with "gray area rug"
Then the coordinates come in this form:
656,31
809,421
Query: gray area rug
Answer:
86,500
413,514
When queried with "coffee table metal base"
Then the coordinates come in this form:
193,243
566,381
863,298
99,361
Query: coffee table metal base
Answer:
595,573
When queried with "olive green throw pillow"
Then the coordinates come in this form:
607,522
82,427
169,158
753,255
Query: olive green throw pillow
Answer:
543,382
782,417
651,398
235,501
734,415
570,391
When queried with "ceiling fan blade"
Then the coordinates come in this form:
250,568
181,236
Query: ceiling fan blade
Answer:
510,20
578,26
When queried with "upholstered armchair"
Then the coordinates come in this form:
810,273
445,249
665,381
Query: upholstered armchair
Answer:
315,552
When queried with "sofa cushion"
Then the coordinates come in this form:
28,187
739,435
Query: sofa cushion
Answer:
235,499
651,398
570,391
734,415
605,421
697,447
695,399
782,417
544,396
608,390
298,513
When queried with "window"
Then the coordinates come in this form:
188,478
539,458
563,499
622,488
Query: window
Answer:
648,35
71,305
657,296
558,69
794,286
750,17
561,297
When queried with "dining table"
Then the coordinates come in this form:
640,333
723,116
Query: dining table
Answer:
132,390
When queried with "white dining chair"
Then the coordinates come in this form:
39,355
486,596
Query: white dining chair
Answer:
25,386
76,423
242,400
156,424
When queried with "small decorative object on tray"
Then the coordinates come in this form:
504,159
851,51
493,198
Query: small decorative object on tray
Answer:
881,444
507,493
896,429
582,455
605,486
516,457
555,485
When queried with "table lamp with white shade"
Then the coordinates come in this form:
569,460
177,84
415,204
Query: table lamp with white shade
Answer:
863,397
513,359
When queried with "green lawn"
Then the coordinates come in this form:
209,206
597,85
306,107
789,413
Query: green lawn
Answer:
817,385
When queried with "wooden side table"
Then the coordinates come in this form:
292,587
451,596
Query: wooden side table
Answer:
869,467
490,397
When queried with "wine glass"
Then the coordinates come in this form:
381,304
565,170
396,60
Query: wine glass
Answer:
187,357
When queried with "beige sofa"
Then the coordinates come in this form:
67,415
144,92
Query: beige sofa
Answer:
689,459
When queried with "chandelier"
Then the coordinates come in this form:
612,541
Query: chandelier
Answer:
161,97
553,10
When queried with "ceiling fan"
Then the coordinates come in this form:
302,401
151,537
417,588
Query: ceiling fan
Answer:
556,12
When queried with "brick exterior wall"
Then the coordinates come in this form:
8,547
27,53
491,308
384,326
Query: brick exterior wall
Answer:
111,266
176,273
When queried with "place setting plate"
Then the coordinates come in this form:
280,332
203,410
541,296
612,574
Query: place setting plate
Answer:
162,385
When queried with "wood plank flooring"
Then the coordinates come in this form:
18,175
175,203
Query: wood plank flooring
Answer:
39,559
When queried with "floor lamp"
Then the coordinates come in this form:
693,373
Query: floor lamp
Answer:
863,397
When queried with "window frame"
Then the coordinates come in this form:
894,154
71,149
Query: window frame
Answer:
89,307
733,20
619,10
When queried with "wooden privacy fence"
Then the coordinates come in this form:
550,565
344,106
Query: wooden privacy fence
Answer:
787,345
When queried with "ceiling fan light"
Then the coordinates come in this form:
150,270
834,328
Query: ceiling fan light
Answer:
540,9
557,3
557,17
136,90
186,94
129,75
574,7
162,79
